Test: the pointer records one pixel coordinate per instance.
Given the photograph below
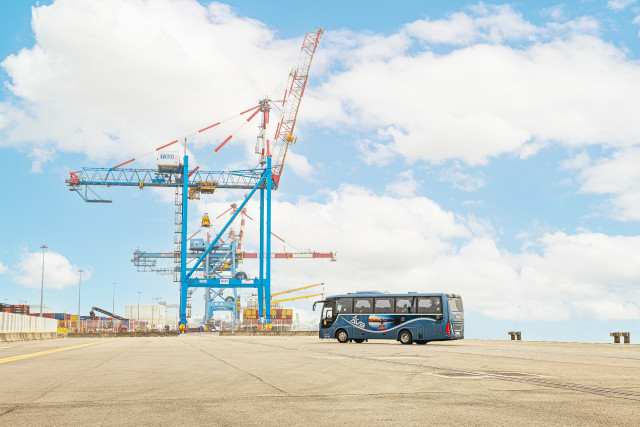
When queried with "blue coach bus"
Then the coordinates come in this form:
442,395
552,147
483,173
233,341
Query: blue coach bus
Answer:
408,318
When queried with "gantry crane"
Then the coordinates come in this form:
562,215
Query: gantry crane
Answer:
172,173
220,263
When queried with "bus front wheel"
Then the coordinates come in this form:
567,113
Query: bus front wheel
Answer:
405,337
342,336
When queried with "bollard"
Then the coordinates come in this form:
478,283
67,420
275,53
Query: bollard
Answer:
627,337
616,337
515,335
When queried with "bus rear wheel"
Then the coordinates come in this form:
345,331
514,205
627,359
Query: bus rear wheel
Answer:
342,336
405,337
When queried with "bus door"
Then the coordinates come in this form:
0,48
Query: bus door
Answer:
431,323
328,318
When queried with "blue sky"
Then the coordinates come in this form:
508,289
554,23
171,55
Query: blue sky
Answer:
486,149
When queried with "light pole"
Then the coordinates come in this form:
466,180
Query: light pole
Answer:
113,308
43,247
79,289
138,306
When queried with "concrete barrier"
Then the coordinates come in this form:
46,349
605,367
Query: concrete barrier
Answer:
515,335
616,337
22,336
20,327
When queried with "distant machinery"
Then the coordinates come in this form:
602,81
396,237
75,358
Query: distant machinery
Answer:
173,172
92,314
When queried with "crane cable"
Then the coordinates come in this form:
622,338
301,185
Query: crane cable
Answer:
186,137
272,233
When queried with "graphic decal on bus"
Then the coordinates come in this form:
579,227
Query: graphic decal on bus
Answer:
383,323
356,322
380,323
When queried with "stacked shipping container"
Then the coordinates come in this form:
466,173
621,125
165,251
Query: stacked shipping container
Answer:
279,316
16,308
91,324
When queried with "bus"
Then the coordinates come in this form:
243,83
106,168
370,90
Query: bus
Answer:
408,318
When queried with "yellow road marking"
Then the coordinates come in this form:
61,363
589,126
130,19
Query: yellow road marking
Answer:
42,353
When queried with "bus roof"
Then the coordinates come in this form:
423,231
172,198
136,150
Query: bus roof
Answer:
372,294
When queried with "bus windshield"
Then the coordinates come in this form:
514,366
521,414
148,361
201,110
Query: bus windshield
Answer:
455,304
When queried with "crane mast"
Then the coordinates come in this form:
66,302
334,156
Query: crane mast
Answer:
291,104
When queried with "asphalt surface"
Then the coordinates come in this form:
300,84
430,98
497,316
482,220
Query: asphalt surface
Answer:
204,379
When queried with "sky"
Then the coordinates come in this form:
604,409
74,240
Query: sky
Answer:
484,149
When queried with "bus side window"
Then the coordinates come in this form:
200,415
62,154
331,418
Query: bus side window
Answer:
383,305
344,305
436,302
429,305
404,305
363,305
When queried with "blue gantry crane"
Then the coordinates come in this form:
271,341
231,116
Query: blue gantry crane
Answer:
173,172
223,261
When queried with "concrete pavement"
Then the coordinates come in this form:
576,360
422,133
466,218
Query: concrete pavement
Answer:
199,379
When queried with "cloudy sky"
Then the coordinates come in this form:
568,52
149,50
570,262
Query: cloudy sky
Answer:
486,149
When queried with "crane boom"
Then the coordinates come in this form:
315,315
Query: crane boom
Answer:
297,83
94,309
296,298
297,289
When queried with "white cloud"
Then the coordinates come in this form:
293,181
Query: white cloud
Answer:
557,12
619,4
460,180
142,73
482,101
581,160
40,156
619,177
132,82
3,268
299,165
636,21
411,244
485,23
59,273
404,186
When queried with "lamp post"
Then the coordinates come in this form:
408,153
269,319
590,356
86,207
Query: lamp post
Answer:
79,289
113,307
43,247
